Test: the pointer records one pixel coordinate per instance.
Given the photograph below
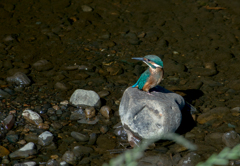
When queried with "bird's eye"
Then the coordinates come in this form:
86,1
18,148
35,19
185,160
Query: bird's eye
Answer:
149,60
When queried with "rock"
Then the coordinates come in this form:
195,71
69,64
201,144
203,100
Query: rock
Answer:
81,150
3,151
85,160
24,152
105,111
231,138
235,84
62,86
32,137
19,79
8,122
79,136
203,71
69,157
92,139
27,163
89,121
150,115
90,112
43,126
106,142
52,162
153,160
85,97
4,94
215,113
214,138
45,138
32,117
86,8
12,138
42,65
104,129
191,159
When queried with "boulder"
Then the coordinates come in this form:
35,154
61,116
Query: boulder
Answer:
146,115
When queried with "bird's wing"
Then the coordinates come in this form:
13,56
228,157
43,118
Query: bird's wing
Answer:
142,80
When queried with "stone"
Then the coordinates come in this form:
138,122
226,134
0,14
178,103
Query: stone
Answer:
105,111
13,138
215,113
8,122
45,138
231,138
81,150
52,162
85,97
42,65
191,159
69,157
86,8
92,138
150,115
3,151
161,159
19,79
4,94
79,136
27,150
32,117
27,163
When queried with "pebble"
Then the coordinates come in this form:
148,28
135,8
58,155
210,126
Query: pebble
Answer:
4,94
153,160
65,102
9,122
69,157
19,79
105,111
27,163
92,138
85,160
87,121
90,112
79,136
231,138
3,151
86,8
103,93
45,138
191,159
104,129
32,137
12,138
62,86
82,150
43,126
24,152
42,65
215,113
56,125
32,117
85,97
52,162
76,116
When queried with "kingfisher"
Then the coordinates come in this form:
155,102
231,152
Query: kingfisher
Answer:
153,75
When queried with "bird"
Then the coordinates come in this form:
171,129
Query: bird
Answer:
153,75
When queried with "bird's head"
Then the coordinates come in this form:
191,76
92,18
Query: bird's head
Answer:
152,61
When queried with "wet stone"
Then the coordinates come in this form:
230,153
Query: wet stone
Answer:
191,159
89,112
52,162
91,121
79,136
62,86
76,116
69,157
85,97
8,122
104,129
231,138
24,152
86,8
103,93
27,163
45,138
32,117
85,160
56,125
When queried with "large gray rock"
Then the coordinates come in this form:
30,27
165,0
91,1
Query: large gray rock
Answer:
27,150
85,97
147,115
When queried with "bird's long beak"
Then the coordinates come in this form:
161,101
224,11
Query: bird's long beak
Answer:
138,58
